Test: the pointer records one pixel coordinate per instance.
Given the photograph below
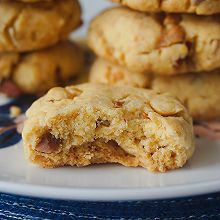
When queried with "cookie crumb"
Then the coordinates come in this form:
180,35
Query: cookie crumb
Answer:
14,111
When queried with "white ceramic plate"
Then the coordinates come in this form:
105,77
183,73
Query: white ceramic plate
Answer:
111,182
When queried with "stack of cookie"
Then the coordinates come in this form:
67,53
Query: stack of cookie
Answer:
34,52
177,53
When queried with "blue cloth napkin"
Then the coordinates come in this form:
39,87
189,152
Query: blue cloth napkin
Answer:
199,207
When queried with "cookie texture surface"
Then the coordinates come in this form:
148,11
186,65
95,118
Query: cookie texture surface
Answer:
159,44
198,92
41,70
34,1
25,27
97,123
103,71
7,62
200,7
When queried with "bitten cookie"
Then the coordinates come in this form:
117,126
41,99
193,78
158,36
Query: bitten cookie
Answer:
198,92
41,70
97,123
159,44
200,7
25,27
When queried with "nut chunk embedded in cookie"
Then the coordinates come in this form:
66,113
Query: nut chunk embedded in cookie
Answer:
96,123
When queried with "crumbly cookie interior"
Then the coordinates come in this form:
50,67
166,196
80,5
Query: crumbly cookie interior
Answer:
98,151
117,128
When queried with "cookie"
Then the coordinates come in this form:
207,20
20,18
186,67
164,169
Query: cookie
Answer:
34,1
104,71
7,62
198,92
36,72
159,44
200,7
96,123
26,27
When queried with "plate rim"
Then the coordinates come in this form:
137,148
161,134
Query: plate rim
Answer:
109,194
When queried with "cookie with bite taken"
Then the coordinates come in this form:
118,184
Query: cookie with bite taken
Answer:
97,123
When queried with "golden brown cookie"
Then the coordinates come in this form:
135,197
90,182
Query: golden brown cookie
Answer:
198,92
97,123
34,1
159,44
7,63
105,72
38,71
25,27
200,7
